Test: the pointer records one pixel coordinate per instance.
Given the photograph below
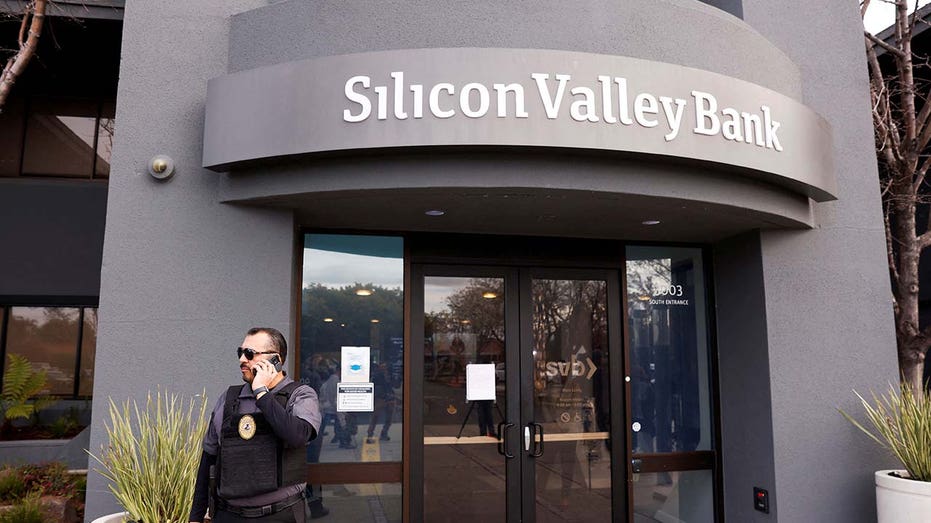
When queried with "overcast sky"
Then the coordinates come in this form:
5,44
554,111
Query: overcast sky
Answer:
881,14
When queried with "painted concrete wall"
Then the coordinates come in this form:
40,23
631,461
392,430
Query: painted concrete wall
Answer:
52,237
184,276
828,302
674,31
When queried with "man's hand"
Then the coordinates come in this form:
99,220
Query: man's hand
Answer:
264,373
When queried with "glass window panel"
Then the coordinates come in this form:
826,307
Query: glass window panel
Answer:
684,496
88,353
352,296
105,129
366,502
11,129
47,337
60,139
670,385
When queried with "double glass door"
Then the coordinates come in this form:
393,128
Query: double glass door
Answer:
521,401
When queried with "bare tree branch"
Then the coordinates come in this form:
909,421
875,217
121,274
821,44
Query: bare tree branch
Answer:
893,50
890,252
35,15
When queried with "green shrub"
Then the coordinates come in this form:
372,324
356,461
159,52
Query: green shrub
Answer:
902,421
48,479
62,426
28,511
12,486
152,469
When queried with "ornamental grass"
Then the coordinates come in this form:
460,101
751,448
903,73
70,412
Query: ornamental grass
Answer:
901,423
152,459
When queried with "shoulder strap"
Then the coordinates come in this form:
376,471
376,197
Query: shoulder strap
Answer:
231,407
284,394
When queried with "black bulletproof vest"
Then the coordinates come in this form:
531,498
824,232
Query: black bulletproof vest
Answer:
261,464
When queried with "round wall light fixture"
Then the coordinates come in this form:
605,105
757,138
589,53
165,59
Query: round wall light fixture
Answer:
161,167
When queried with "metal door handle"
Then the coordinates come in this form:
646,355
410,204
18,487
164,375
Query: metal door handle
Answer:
503,439
635,465
538,446
527,438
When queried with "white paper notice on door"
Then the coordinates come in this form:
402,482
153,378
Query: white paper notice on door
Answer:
480,381
355,365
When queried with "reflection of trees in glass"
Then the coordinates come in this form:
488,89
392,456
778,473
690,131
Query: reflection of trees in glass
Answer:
352,319
555,304
555,301
48,336
474,313
88,353
645,277
482,316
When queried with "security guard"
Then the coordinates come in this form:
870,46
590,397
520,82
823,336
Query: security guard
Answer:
256,440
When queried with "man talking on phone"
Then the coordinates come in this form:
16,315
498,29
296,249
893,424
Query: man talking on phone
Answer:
256,440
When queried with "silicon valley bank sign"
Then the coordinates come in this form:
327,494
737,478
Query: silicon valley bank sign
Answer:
516,98
613,104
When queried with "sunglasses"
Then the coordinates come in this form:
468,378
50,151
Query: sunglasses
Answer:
250,353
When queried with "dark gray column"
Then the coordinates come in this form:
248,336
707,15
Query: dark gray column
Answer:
743,376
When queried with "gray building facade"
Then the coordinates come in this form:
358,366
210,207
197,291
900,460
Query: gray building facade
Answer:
674,298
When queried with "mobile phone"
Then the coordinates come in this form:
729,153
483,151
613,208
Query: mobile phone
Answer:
276,361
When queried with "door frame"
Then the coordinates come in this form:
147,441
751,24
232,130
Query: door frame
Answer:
511,320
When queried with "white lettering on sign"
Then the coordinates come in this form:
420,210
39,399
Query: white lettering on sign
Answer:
575,367
609,103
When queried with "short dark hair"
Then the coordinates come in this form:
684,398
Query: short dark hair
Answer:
276,342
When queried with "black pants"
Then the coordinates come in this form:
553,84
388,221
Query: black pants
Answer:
292,514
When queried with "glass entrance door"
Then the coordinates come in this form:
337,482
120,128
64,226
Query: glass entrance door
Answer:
517,417
570,418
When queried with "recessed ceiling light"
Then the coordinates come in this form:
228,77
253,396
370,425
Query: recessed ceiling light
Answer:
466,322
363,292
435,212
489,295
650,222
328,320
375,320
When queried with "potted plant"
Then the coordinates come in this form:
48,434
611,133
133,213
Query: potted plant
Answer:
900,421
152,457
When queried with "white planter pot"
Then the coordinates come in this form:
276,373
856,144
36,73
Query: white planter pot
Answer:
901,500
112,518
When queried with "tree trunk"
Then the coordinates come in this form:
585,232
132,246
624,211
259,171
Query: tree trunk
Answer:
911,365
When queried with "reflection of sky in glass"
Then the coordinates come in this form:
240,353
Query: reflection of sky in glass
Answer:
337,269
40,314
436,290
81,126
